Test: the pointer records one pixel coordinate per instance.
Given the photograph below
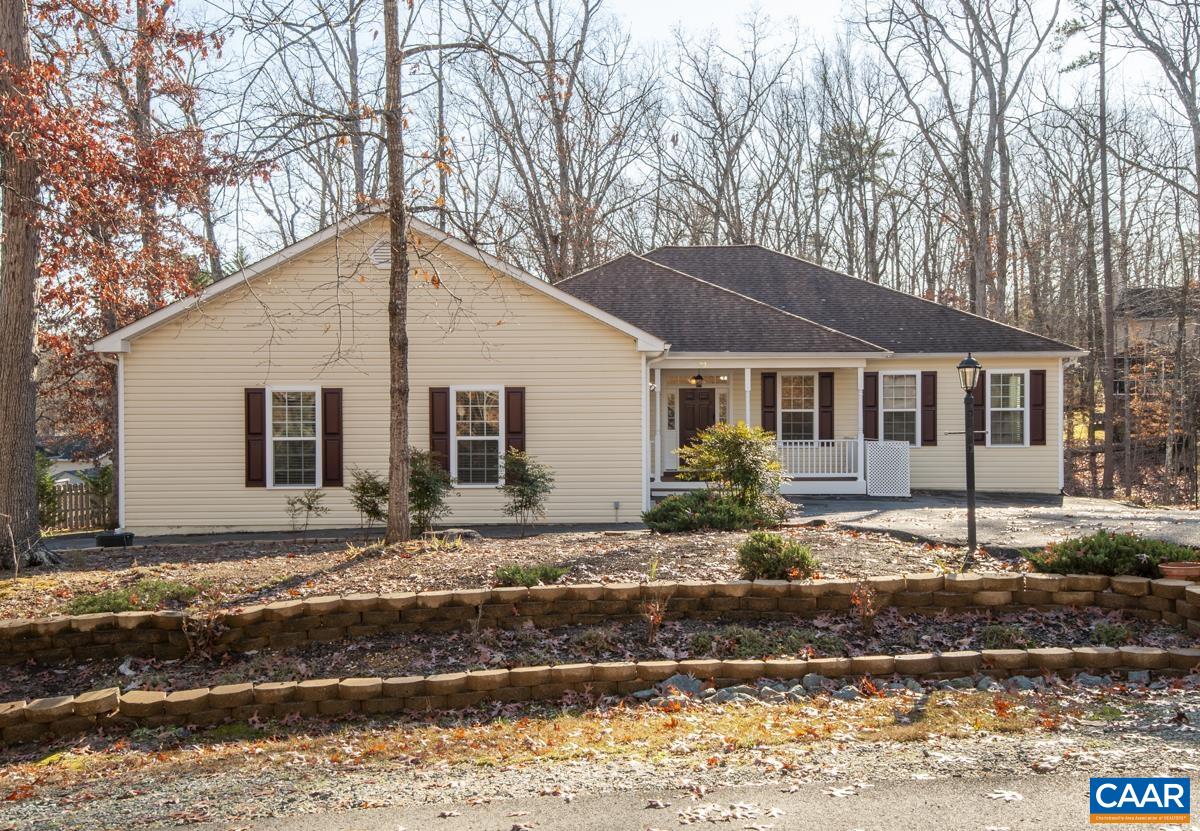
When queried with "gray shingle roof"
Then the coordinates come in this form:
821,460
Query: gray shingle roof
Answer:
892,319
696,316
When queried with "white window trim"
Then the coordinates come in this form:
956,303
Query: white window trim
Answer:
454,391
270,416
917,375
816,407
988,407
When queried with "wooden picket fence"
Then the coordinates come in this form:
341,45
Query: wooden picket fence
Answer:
79,509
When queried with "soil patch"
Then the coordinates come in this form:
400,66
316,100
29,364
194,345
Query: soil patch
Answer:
234,574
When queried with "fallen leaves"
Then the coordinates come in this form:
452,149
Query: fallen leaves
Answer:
1005,796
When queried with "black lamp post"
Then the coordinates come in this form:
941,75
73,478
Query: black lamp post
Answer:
968,377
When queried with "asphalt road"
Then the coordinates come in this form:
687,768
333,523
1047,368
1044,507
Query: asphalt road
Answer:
1042,802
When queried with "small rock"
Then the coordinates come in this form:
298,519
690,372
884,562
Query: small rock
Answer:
683,683
913,685
645,695
740,693
813,681
796,696
1140,676
963,683
1021,682
771,694
846,693
1088,680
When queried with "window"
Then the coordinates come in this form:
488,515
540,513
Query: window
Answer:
1006,408
899,408
294,438
797,408
723,407
670,411
477,436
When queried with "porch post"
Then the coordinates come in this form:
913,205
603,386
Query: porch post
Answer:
658,420
746,392
862,442
645,433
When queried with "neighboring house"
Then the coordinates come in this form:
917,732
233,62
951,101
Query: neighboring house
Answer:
276,379
1150,315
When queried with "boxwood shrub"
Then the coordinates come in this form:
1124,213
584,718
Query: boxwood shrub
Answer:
707,510
1107,553
767,556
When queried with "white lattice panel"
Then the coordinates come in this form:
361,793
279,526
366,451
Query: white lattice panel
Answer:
888,471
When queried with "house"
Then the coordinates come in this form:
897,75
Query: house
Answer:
1150,315
276,379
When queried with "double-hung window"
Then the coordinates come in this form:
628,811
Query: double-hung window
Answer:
1007,409
797,408
478,434
899,407
294,438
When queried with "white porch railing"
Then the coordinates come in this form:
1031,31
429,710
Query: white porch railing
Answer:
824,457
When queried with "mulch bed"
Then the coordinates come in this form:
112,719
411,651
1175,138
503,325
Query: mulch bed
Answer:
834,634
235,574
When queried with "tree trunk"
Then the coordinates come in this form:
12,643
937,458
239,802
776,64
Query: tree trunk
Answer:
1108,368
398,526
18,288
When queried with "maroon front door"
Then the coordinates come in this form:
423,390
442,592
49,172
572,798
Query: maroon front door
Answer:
697,411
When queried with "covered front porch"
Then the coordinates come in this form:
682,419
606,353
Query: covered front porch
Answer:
813,405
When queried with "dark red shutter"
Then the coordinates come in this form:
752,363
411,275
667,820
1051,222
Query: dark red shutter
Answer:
1037,406
980,414
331,437
514,418
825,405
770,402
256,437
439,426
929,426
870,408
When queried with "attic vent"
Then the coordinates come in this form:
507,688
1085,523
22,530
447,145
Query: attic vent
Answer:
381,253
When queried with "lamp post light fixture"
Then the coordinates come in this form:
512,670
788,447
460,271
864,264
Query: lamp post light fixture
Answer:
968,377
697,380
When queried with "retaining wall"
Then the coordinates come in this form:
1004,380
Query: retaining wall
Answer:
291,623
22,721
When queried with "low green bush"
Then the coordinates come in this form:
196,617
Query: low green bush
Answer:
1002,636
1111,554
767,556
528,576
1111,634
706,510
143,596
736,641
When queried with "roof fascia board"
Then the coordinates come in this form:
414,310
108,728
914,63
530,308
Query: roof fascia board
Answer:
1024,353
758,360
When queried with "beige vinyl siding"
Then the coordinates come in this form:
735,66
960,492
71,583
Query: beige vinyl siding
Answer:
1033,469
845,398
321,320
